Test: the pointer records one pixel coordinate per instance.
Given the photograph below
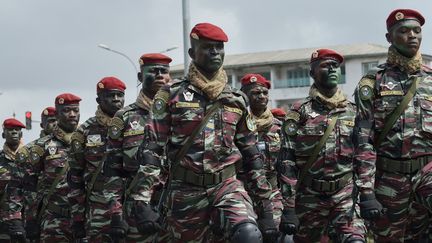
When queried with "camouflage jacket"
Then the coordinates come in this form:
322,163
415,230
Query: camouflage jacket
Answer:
88,145
306,123
129,128
11,196
47,156
228,135
377,95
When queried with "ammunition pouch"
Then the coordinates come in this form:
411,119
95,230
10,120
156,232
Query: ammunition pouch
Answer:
327,185
409,166
207,179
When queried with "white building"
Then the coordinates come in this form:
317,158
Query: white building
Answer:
288,70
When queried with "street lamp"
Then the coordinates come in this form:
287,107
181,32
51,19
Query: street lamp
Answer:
169,49
106,47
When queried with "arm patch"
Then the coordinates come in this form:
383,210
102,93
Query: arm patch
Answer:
116,127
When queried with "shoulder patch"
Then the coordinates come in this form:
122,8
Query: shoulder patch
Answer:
22,155
77,141
290,127
366,86
367,82
250,123
293,115
36,152
160,101
115,128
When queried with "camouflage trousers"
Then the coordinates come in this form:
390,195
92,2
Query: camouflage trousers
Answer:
318,211
4,237
55,228
405,219
206,214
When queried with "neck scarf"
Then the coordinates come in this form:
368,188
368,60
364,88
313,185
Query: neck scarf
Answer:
212,88
144,102
62,135
264,121
102,118
409,65
338,100
10,154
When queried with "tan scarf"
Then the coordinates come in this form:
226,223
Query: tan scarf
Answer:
144,102
338,100
265,121
10,154
410,65
212,88
62,135
102,118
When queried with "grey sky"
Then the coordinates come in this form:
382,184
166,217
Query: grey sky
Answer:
50,46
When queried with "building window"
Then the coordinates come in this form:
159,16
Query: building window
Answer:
366,66
298,77
343,76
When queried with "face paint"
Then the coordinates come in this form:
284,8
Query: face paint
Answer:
326,73
155,77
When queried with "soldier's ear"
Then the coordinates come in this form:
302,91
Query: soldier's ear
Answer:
3,135
389,38
139,75
191,53
98,100
40,124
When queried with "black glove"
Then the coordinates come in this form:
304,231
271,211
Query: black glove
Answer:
16,230
146,218
32,229
268,228
289,222
370,208
78,230
119,227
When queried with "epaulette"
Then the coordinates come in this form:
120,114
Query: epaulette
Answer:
293,117
43,140
126,109
298,104
23,154
77,141
87,124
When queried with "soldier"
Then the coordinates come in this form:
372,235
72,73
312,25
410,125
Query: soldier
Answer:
11,224
48,121
256,88
316,162
207,129
49,215
279,114
90,208
129,128
394,132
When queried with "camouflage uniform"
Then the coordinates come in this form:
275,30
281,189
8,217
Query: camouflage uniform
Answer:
129,128
406,148
48,156
325,196
203,193
87,154
11,196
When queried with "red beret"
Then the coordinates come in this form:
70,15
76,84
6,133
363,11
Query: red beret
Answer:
278,112
110,83
208,31
154,58
252,78
403,14
49,111
67,99
12,123
322,54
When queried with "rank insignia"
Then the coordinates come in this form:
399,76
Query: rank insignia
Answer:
250,123
365,92
115,128
390,85
188,96
290,128
314,114
94,138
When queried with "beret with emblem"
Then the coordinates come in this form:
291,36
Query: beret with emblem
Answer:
154,58
110,83
324,54
253,78
49,111
12,123
402,15
67,99
278,113
208,31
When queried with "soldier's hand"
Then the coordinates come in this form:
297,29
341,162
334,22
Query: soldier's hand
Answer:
119,228
32,229
146,218
16,230
78,230
289,222
370,208
268,228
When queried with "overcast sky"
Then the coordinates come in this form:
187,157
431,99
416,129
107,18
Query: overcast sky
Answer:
48,47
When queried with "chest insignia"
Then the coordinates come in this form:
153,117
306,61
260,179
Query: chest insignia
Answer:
188,96
52,148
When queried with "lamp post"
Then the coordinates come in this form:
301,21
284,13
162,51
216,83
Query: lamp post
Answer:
169,49
106,47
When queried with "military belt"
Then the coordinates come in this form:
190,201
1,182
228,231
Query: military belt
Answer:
402,166
59,210
327,185
205,179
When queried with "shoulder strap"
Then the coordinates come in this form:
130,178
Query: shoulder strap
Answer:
46,199
89,189
317,149
393,117
186,146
